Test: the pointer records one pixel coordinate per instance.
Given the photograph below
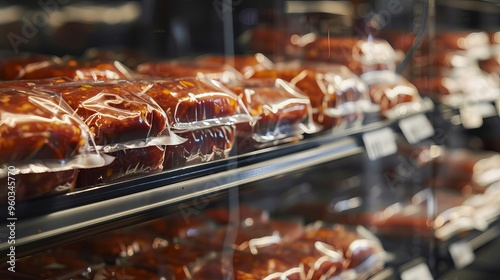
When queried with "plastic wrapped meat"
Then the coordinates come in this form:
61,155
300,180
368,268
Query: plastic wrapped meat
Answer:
114,113
201,145
394,94
30,84
34,185
245,64
183,69
124,164
75,70
36,127
282,113
337,95
360,56
111,247
476,44
172,261
12,67
192,103
43,143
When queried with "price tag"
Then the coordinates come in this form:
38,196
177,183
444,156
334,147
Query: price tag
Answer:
416,128
417,272
471,117
462,254
380,143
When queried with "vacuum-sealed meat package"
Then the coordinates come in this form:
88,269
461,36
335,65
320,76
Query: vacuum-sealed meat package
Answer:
75,70
338,97
42,144
395,95
282,114
247,65
127,126
12,67
359,55
201,111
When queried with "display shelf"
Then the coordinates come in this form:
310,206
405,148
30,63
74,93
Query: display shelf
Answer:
44,223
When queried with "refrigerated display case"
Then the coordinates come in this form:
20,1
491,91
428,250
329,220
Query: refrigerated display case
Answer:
327,160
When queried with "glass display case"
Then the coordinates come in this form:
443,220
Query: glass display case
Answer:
235,139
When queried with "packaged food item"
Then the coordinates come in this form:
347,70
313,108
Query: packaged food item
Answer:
12,67
241,265
171,261
182,68
246,215
30,84
336,94
129,57
34,185
42,144
114,247
76,70
282,114
245,64
201,145
114,113
315,259
123,164
476,44
126,125
363,253
395,95
466,171
192,103
180,226
359,55
410,217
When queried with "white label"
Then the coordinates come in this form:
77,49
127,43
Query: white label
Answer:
462,254
470,117
419,272
380,143
416,128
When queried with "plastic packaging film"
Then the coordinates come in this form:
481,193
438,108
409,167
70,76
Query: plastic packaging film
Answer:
47,140
74,69
282,114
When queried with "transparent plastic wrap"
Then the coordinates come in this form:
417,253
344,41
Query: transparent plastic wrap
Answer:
84,70
245,64
282,114
201,111
42,144
171,261
338,97
359,55
126,124
12,66
188,68
475,44
455,214
460,86
395,95
30,84
117,246
193,103
320,252
467,171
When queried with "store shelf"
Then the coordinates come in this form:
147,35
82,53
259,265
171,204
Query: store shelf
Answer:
67,218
